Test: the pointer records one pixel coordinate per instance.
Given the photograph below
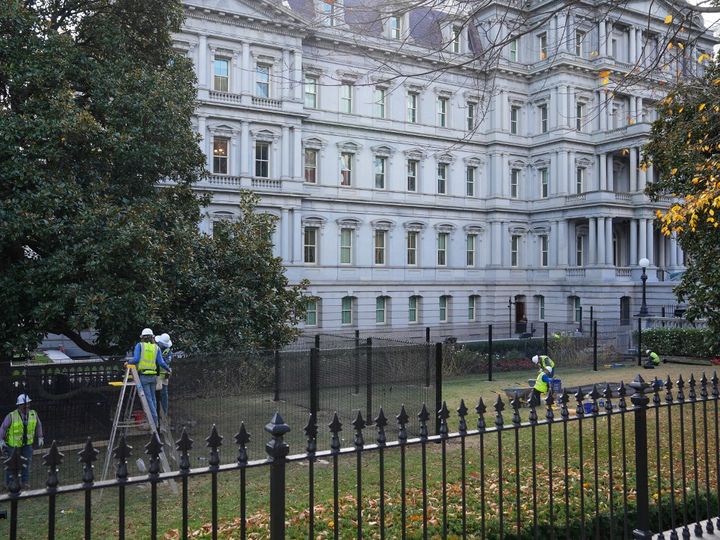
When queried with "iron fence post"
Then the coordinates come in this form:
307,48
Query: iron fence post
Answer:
640,401
276,358
356,360
639,344
438,383
427,356
594,332
314,380
277,450
369,381
545,341
490,352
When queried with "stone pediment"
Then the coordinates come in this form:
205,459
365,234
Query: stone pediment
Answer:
264,10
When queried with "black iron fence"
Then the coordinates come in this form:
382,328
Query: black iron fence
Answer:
597,465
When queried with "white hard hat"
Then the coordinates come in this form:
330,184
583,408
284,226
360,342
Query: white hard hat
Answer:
164,340
647,351
23,399
146,332
535,359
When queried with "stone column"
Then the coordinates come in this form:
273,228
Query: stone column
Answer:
235,151
650,240
662,253
496,239
571,97
246,68
285,76
642,252
633,45
650,174
297,154
633,169
609,251
202,61
297,76
285,153
602,38
633,111
504,190
245,149
296,236
560,106
610,173
563,243
634,256
204,141
571,188
639,109
562,172
673,251
554,187
554,242
602,180
602,112
285,229
596,247
504,244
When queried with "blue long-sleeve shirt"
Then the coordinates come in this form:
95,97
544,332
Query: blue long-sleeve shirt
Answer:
158,358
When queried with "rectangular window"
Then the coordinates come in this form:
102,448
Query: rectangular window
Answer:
472,307
543,118
543,250
543,46
220,155
380,237
614,49
262,81
470,116
346,98
311,309
412,103
412,170
413,309
380,98
579,180
395,27
544,183
580,251
442,108
347,310
310,245
442,244
262,159
380,165
328,11
579,116
311,92
346,162
380,309
346,248
311,165
579,38
470,181
442,170
515,251
221,74
541,308
412,246
456,39
444,309
514,50
515,183
514,119
577,309
470,250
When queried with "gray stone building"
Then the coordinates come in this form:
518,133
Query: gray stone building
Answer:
419,183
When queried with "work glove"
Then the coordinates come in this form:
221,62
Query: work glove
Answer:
3,445
41,442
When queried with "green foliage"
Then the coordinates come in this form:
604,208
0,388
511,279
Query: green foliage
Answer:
684,151
680,341
95,110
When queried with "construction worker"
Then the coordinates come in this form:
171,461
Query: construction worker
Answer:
165,344
148,359
19,430
544,379
653,359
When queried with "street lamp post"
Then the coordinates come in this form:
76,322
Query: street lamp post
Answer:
644,263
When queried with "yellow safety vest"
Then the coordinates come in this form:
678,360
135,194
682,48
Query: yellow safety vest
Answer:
546,361
17,429
148,359
540,385
165,354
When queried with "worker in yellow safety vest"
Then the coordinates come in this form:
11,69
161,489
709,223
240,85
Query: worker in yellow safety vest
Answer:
544,379
148,359
18,432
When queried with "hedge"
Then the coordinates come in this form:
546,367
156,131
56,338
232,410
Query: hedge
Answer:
680,341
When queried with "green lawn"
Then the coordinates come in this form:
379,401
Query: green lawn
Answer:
70,508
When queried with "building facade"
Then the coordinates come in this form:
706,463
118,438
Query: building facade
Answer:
415,183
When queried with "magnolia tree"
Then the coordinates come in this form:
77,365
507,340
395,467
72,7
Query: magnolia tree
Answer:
95,111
